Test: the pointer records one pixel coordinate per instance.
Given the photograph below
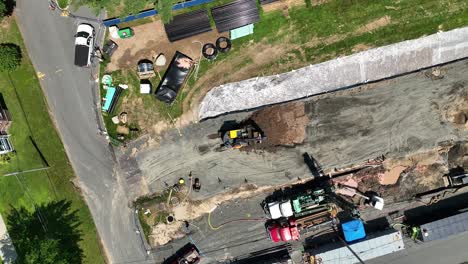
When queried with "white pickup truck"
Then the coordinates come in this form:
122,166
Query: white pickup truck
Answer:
84,45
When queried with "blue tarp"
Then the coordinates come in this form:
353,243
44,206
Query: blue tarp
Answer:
151,12
353,230
109,96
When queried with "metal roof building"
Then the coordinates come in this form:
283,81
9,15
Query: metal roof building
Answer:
187,25
235,15
368,249
446,227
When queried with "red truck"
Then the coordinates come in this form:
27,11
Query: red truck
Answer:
285,232
186,255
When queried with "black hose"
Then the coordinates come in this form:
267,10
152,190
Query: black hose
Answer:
212,55
220,40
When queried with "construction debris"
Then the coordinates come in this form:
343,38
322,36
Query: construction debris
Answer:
123,117
115,120
391,176
123,130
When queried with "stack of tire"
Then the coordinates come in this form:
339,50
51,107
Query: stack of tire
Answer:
210,50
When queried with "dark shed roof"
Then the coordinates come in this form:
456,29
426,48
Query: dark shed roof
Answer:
187,25
234,15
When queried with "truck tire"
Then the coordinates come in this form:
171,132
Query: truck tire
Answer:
210,52
221,47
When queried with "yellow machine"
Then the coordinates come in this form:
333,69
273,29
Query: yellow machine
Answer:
244,136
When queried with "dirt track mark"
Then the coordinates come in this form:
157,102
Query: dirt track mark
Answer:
371,26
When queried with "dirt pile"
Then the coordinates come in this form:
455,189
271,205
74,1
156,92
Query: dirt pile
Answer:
456,110
164,233
417,173
402,178
283,125
150,40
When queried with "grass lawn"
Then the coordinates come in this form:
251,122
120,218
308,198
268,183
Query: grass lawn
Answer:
44,186
142,108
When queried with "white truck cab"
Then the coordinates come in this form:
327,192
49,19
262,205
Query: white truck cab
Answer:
280,209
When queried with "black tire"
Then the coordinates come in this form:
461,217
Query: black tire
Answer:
220,40
206,48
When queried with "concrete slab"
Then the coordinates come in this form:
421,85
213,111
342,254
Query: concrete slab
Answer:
363,67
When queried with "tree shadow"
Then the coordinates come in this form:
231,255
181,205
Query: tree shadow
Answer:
52,227
10,6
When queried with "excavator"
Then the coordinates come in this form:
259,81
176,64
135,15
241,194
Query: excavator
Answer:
244,135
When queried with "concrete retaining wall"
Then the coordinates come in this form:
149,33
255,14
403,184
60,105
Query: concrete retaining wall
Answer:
371,65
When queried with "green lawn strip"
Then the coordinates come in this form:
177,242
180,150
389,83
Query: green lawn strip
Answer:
43,186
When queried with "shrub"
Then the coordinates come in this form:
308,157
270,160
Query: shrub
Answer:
11,57
6,158
3,9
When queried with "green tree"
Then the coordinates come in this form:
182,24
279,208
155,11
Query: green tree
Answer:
6,7
3,9
48,235
11,57
45,251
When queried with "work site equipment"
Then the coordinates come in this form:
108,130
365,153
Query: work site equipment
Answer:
298,206
241,137
452,181
125,33
189,254
290,229
373,200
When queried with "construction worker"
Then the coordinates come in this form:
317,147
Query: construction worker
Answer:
181,181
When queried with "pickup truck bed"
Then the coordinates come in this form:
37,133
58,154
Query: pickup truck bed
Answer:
81,55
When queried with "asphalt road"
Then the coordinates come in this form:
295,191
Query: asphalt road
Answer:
49,40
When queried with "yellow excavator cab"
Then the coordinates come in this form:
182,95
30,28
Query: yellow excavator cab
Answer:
234,133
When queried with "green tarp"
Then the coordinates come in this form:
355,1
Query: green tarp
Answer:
242,31
109,96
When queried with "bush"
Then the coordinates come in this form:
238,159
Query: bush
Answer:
11,57
3,9
6,158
